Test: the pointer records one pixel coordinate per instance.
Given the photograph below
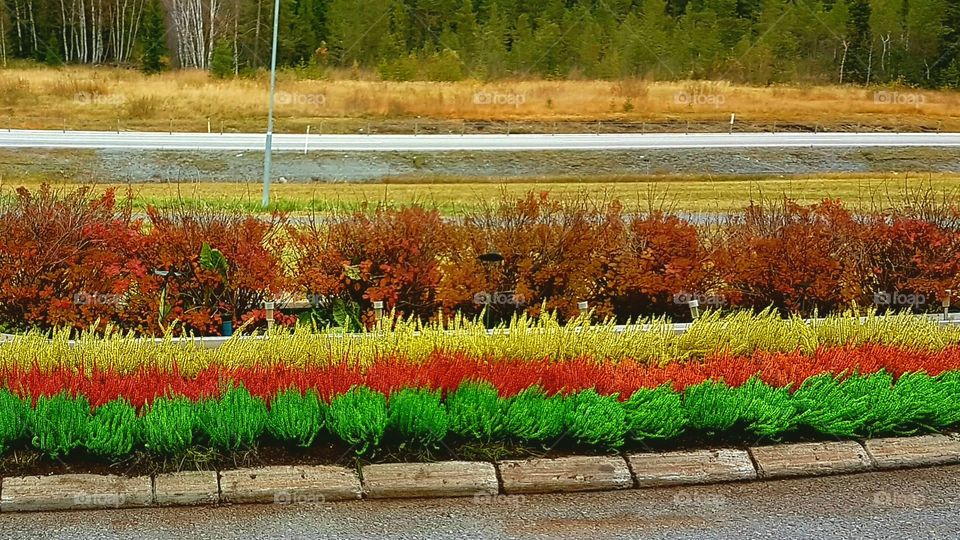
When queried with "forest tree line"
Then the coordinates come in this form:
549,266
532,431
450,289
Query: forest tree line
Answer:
914,42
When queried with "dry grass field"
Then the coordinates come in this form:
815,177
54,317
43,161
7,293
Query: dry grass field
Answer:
680,193
102,98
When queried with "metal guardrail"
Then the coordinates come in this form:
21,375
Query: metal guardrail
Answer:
213,342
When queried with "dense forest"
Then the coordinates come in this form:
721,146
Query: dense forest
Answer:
914,42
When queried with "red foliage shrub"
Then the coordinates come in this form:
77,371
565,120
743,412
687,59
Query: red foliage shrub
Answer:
67,259
791,257
178,288
659,264
387,254
542,253
73,259
907,258
822,257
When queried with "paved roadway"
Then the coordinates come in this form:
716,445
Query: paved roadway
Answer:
902,505
439,143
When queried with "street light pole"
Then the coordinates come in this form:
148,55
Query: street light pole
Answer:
268,150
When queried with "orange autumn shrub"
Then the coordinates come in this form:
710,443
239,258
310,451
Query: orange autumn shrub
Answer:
179,291
908,263
532,254
659,265
384,254
67,259
794,258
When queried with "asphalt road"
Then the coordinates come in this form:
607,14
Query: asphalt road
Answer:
902,505
440,143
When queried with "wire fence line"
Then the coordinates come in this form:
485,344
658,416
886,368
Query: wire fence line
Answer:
724,123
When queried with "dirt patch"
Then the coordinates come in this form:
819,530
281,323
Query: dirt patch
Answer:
113,166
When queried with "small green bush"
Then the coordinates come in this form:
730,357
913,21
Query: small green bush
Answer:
824,405
890,409
767,411
59,423
475,412
296,417
532,416
596,420
169,425
14,419
925,398
946,412
359,417
114,430
235,421
713,407
655,414
417,417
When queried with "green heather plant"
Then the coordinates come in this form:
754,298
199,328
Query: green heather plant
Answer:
655,414
476,412
767,411
59,423
296,417
713,407
359,417
113,431
947,410
925,397
891,409
532,416
14,418
826,407
417,417
596,420
235,421
169,425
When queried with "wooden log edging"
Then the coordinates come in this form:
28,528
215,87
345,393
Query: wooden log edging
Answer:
484,481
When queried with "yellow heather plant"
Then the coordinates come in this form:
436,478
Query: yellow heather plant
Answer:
654,341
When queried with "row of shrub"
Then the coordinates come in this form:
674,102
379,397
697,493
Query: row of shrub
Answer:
445,372
823,406
72,259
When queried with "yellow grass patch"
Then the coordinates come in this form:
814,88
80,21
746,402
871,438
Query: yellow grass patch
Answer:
97,98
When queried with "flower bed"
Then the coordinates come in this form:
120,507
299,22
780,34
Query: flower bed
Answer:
846,386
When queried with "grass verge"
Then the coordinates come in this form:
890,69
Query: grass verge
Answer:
455,196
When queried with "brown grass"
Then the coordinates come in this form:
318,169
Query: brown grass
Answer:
96,98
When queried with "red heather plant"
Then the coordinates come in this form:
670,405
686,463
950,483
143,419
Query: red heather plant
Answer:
384,254
554,255
67,259
181,287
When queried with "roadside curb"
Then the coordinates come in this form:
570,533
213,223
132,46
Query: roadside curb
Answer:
810,459
419,480
566,474
289,485
482,480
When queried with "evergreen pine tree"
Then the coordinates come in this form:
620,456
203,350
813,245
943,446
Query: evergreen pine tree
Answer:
51,56
153,38
221,62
